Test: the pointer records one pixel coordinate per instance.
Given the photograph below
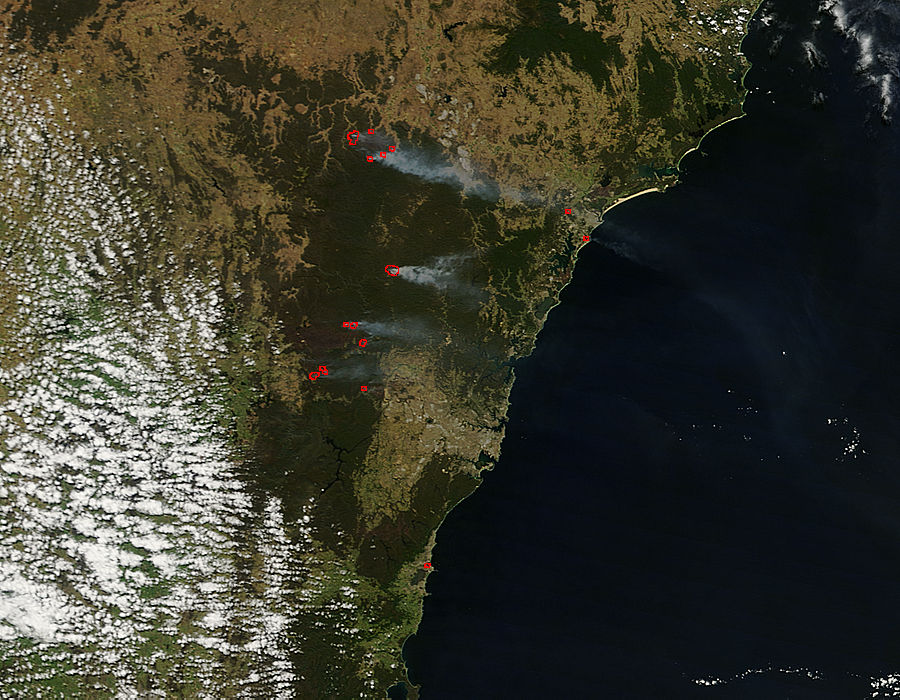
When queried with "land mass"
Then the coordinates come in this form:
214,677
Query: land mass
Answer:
229,121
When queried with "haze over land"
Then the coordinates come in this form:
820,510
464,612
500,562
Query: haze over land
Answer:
185,228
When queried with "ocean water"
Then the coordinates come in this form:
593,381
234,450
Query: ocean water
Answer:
699,490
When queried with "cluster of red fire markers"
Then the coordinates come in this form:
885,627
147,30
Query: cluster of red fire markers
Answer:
390,270
322,371
353,140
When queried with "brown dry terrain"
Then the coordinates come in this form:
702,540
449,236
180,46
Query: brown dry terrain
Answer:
235,115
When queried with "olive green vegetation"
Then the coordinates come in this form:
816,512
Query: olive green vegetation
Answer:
238,115
542,31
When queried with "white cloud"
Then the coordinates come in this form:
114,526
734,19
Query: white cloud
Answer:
872,26
112,418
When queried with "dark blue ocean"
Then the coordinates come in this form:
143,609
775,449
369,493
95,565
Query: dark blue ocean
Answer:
699,489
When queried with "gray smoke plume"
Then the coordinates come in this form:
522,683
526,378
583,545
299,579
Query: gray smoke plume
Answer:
431,167
442,273
435,167
361,369
412,330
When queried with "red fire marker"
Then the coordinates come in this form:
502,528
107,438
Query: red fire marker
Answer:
354,324
323,370
371,131
427,564
363,388
370,158
392,148
586,237
383,154
353,137
313,375
346,324
362,342
568,211
392,270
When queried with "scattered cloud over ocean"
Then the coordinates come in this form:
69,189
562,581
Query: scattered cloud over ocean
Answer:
814,57
767,670
872,26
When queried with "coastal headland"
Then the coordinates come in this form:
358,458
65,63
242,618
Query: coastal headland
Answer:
230,122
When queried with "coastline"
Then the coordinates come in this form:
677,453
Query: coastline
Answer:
260,181
620,200
663,188
717,155
700,142
412,690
